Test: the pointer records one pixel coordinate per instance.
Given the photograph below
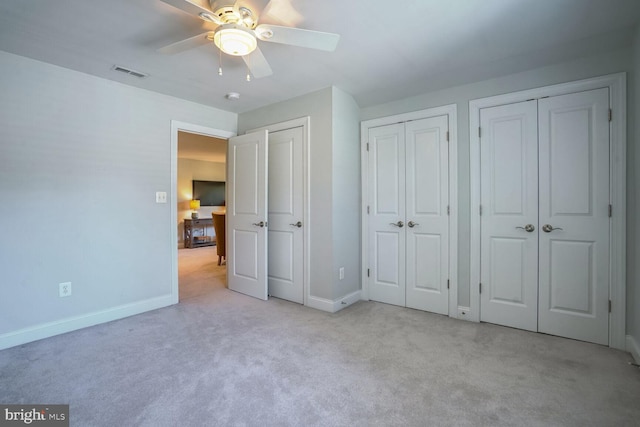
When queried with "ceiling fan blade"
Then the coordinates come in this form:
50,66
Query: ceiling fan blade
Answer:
257,64
298,37
190,43
282,12
197,8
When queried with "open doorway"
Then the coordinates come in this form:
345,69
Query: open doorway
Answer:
198,155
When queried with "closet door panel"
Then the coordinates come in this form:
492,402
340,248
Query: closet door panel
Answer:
574,220
427,189
387,214
509,218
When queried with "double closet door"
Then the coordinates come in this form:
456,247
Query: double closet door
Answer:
265,230
408,214
545,211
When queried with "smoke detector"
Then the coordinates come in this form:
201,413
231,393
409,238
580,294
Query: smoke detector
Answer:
232,96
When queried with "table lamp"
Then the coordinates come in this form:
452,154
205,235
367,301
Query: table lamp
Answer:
194,205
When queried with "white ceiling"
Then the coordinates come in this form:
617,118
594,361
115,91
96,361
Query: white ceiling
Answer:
388,50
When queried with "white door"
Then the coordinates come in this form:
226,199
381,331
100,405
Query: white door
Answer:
387,214
509,217
408,218
574,216
545,215
285,263
427,221
247,214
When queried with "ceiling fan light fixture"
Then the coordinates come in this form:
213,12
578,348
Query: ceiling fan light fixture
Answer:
235,40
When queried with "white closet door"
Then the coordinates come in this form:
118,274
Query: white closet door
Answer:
285,215
509,217
574,215
387,214
247,215
427,190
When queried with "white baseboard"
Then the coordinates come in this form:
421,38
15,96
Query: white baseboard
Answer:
46,330
346,301
634,348
333,306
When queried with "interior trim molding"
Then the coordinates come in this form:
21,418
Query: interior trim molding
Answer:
58,327
618,171
451,111
634,348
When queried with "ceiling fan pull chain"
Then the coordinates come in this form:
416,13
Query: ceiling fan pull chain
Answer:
248,68
220,63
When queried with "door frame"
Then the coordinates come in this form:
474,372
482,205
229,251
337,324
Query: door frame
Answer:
303,122
616,83
451,111
177,126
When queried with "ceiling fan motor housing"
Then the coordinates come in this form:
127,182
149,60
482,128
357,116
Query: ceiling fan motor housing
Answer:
230,12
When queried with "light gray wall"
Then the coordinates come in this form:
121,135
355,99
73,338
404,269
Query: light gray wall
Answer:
81,159
346,193
318,106
608,63
633,198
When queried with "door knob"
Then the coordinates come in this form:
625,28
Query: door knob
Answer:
297,224
397,224
548,228
412,224
528,228
260,224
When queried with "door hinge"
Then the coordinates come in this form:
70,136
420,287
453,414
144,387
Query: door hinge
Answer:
480,210
368,210
479,132
480,287
447,283
368,273
448,210
610,114
367,146
609,306
447,136
610,211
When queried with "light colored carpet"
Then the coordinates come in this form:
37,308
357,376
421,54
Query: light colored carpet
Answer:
199,272
226,359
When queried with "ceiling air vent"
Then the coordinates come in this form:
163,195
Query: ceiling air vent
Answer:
129,71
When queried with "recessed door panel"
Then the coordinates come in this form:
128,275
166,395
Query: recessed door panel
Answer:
245,264
571,280
246,179
388,179
503,288
428,272
509,219
509,153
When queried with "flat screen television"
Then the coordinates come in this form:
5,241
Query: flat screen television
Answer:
210,193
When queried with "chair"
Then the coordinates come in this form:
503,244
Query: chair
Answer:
219,227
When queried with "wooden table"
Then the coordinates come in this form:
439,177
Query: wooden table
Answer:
196,241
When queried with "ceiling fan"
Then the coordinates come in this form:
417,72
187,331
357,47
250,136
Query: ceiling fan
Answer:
237,32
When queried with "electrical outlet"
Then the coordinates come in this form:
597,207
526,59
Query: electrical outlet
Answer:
64,289
161,197
341,273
